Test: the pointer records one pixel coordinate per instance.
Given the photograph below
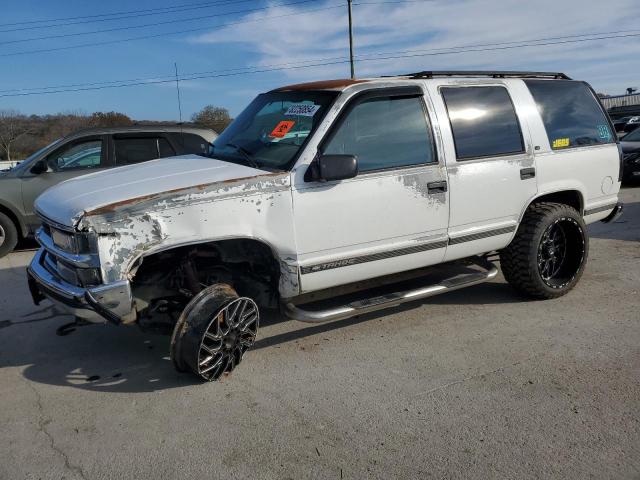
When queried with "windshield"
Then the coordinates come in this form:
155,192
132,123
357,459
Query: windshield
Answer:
27,160
273,129
633,136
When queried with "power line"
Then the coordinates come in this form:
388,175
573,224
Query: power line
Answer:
148,11
155,24
176,32
158,35
384,56
357,57
141,13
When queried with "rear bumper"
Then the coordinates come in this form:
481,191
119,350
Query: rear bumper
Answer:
112,302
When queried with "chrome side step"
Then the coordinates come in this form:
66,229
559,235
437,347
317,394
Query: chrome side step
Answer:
379,302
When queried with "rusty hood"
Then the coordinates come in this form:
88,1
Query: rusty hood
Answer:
67,202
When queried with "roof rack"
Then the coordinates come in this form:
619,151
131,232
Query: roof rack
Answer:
487,73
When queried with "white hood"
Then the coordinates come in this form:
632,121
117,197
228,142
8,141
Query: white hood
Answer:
66,202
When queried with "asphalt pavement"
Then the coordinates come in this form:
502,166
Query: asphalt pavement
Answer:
477,383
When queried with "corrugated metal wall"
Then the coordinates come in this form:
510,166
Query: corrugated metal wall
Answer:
621,101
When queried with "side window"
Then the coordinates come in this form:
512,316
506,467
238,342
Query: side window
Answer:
136,150
483,121
570,113
83,155
191,143
165,148
384,132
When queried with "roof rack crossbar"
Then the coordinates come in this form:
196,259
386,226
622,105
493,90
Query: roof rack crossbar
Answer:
487,73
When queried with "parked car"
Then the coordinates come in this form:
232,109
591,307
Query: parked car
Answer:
630,144
620,123
632,124
402,188
80,153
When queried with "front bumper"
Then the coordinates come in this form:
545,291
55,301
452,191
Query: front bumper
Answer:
112,302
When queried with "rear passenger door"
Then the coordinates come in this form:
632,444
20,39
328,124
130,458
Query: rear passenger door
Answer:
129,149
490,164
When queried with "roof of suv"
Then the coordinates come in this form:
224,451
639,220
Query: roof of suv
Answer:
142,129
341,84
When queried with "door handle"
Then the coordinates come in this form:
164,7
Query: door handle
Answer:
526,173
437,187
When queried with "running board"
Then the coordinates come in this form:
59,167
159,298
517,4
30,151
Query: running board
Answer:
379,302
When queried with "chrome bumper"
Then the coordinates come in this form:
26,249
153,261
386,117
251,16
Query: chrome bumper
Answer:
112,302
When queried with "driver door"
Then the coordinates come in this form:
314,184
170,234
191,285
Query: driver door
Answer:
393,215
72,159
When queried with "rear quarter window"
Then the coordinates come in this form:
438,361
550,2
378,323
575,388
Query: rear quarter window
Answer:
191,143
571,114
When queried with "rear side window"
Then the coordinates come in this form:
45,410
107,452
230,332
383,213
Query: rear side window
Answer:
191,143
483,121
384,132
136,150
571,114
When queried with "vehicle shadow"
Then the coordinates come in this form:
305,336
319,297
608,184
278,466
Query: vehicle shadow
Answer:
630,219
118,359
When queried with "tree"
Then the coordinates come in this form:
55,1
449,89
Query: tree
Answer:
216,118
13,125
109,119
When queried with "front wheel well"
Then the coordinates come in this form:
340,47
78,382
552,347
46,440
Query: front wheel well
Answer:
12,216
172,277
573,198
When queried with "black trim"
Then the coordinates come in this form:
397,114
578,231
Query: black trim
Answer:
600,209
477,236
487,73
346,262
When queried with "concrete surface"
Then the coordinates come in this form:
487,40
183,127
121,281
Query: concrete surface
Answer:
472,384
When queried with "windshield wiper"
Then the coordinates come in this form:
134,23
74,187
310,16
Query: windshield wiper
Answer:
246,154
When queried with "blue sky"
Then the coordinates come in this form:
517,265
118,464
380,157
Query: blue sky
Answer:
284,34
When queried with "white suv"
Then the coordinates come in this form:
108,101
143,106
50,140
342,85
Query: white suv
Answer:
391,190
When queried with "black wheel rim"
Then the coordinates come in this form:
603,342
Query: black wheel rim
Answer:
561,252
231,332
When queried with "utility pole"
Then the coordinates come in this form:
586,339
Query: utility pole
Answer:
178,91
353,68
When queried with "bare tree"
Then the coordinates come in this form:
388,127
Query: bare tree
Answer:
13,125
216,118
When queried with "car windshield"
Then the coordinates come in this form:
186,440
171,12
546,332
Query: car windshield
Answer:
633,136
26,161
273,129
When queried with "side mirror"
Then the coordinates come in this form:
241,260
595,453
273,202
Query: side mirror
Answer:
336,167
39,167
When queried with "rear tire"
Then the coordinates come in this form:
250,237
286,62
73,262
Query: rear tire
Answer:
548,255
213,333
8,235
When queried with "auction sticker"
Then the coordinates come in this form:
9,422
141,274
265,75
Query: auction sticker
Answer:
282,129
560,143
302,109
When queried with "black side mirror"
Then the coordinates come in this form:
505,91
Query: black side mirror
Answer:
335,167
39,167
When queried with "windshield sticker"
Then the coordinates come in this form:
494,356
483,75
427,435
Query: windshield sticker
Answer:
604,132
302,109
282,129
560,143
